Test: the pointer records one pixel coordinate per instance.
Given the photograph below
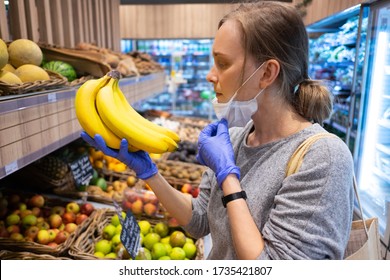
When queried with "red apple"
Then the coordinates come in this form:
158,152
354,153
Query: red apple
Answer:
150,209
195,192
137,207
3,232
60,210
31,232
69,217
172,222
87,209
55,220
52,244
70,227
72,207
25,213
13,229
36,211
126,204
80,218
61,237
130,195
37,201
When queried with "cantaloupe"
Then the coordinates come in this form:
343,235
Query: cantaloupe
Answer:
8,67
9,78
3,54
31,73
24,51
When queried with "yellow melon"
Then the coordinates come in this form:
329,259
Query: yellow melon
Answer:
24,51
31,73
3,54
9,78
8,67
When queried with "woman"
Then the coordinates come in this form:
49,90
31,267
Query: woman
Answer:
265,97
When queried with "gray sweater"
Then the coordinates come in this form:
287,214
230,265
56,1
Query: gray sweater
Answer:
304,216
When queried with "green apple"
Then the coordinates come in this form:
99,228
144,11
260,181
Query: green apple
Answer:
116,239
144,226
144,254
111,255
43,237
12,219
190,250
29,220
103,246
108,231
177,253
177,239
162,229
150,239
158,250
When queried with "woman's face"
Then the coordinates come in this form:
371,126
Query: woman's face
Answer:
229,57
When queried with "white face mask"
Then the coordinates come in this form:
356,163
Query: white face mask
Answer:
237,113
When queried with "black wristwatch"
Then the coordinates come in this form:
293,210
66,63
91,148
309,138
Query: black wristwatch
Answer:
233,196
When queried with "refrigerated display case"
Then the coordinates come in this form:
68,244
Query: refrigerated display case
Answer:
372,150
336,56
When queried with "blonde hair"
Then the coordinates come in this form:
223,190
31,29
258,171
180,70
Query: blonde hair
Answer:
275,30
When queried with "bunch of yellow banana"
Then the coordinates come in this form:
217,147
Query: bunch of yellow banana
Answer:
102,108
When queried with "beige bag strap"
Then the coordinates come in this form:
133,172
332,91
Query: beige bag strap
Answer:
296,161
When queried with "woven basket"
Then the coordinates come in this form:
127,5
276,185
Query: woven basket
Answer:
33,247
9,255
83,247
56,81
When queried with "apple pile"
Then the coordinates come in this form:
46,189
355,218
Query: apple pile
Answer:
162,241
140,202
32,219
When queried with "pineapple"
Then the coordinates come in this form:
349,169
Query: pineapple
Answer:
52,167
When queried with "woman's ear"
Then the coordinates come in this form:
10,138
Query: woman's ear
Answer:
271,72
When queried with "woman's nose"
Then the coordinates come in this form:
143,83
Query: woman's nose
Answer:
211,77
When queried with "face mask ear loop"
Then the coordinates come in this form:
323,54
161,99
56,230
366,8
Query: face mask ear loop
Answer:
258,68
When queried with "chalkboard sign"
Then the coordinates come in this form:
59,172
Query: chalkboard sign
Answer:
82,170
130,234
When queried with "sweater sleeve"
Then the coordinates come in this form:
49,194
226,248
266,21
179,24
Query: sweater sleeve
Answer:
312,212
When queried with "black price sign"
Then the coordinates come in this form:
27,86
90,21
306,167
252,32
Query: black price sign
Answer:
82,170
130,234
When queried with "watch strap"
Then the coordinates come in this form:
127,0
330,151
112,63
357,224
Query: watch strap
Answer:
233,196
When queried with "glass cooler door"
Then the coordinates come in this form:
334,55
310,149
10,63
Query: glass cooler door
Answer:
372,152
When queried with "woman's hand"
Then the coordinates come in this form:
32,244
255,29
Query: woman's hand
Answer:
139,161
216,151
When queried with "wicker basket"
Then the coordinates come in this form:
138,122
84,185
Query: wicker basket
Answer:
9,255
56,81
83,247
33,247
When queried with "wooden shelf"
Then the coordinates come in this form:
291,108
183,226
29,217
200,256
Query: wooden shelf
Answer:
34,125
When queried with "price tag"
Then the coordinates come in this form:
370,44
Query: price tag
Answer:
82,170
10,168
52,97
130,235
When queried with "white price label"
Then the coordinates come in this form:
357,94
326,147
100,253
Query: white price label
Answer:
52,97
10,168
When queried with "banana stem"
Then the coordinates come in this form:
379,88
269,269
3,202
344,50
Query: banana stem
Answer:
115,74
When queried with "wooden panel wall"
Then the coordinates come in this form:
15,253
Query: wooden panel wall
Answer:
62,22
171,21
200,20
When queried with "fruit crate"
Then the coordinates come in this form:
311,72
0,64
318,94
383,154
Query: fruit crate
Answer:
10,255
24,245
56,81
83,247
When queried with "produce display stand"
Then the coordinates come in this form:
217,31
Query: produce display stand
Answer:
10,255
83,247
34,247
33,125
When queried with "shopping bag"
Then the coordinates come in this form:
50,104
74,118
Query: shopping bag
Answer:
364,242
363,245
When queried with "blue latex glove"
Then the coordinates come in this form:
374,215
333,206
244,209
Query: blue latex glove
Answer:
216,151
139,161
